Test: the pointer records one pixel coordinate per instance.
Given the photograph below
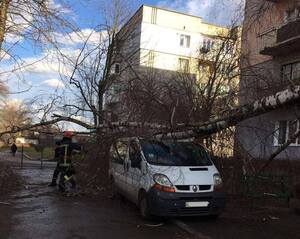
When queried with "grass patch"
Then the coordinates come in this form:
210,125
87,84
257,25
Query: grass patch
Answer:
4,148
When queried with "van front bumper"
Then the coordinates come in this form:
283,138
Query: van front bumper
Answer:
174,204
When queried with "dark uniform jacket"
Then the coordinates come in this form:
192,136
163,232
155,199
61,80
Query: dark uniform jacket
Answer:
63,153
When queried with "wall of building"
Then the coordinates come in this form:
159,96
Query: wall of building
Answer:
167,61
167,40
256,136
260,19
262,76
160,36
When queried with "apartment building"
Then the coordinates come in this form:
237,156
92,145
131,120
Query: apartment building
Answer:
165,42
270,63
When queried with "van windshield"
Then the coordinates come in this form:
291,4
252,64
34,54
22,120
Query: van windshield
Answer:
175,153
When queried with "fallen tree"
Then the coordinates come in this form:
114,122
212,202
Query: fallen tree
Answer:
200,129
106,132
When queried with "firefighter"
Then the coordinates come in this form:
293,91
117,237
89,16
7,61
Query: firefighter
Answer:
63,153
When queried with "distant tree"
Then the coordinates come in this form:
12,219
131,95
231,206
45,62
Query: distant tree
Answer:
14,115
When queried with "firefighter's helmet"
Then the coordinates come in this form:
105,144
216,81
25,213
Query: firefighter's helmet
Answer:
68,134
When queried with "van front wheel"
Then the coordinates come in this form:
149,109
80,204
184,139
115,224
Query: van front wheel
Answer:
144,207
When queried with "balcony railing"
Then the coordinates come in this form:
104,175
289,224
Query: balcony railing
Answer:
288,31
268,39
281,41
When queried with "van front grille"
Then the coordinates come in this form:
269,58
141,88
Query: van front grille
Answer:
183,187
204,187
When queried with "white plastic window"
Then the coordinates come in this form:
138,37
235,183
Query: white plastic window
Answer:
185,41
284,130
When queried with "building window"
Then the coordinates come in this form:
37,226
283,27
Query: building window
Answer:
184,65
116,68
284,130
151,58
185,41
229,48
207,45
153,15
291,71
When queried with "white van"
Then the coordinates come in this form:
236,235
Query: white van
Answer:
166,179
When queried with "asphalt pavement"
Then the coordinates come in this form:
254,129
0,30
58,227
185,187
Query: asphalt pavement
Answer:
37,211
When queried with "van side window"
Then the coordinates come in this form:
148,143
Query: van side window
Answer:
118,152
134,154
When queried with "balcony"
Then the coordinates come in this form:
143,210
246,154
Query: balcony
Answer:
281,41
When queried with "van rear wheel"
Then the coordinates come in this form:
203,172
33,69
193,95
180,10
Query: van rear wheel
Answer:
144,207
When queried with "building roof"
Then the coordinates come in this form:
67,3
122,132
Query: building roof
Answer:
169,10
183,13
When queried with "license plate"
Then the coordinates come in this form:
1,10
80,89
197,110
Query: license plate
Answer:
196,204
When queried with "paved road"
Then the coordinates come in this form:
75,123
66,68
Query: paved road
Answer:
260,224
40,212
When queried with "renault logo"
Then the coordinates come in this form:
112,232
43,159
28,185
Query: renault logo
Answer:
195,188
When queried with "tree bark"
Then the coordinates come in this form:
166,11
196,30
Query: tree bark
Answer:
235,116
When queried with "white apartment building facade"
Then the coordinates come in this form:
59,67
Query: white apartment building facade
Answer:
164,40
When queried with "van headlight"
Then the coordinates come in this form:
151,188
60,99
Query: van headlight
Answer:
163,183
217,181
162,179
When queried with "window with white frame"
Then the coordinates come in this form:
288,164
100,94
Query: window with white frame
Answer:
184,65
207,44
185,41
284,130
291,71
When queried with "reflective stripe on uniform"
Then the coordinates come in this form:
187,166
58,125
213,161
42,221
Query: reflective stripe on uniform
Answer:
66,153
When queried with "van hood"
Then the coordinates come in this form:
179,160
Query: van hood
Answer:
187,175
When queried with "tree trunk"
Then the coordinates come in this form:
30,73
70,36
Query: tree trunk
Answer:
235,116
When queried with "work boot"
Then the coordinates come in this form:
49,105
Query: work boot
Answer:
52,184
